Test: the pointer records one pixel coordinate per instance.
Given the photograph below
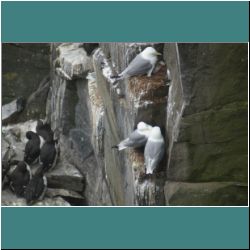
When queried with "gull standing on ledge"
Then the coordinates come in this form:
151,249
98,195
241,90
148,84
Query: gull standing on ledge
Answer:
137,138
154,150
144,63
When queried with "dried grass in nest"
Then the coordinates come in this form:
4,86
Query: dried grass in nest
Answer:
144,87
136,158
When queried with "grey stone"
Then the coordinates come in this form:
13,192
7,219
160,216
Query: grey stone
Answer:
15,137
11,110
143,99
206,194
7,151
23,68
68,111
207,112
73,61
35,106
198,97
10,199
74,198
63,176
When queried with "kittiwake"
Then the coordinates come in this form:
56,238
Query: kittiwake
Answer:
143,63
137,138
154,150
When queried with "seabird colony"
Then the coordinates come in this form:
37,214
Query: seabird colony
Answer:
145,134
41,147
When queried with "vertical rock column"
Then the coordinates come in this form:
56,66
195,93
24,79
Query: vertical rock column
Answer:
70,115
131,101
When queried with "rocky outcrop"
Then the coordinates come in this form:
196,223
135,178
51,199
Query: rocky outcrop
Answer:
207,121
92,115
68,112
11,110
197,94
35,104
64,181
24,66
205,193
26,70
9,199
131,101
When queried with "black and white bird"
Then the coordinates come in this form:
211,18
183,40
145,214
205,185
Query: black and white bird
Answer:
5,170
44,131
36,188
154,150
32,147
137,138
20,178
49,154
143,63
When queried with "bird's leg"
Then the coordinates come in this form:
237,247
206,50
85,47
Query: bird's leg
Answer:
150,72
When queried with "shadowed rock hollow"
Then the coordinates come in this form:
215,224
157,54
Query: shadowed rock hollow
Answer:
197,95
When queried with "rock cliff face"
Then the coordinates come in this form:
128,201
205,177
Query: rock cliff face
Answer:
25,73
69,110
207,124
197,95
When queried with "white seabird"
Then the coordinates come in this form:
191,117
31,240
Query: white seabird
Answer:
154,150
137,138
143,63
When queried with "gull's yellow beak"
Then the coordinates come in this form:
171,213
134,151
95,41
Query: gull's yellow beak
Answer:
158,53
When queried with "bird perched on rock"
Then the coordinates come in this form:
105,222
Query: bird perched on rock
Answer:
20,178
5,170
32,147
49,154
154,150
36,188
44,131
137,138
144,63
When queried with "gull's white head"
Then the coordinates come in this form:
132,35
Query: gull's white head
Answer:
149,52
144,128
155,133
141,126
